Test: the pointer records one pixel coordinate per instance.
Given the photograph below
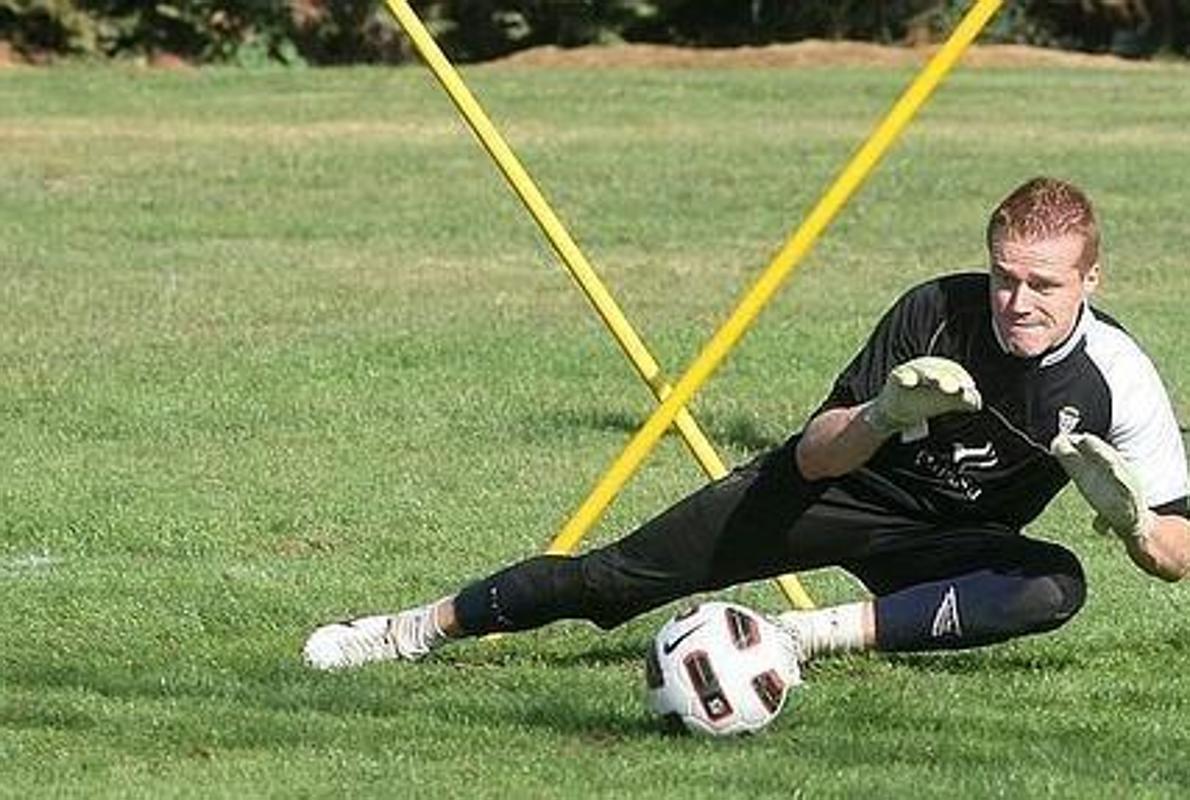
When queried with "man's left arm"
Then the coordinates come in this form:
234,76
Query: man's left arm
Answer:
1165,551
1158,542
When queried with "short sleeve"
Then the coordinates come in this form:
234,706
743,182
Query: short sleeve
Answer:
1143,426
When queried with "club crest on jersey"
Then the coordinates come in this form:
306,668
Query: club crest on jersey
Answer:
1068,419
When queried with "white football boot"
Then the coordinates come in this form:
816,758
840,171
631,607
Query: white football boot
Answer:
408,635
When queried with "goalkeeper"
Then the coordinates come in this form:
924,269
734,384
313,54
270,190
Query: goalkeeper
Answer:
974,400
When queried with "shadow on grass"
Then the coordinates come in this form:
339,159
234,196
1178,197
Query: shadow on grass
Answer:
603,654
280,701
988,661
284,700
593,726
737,431
616,421
744,433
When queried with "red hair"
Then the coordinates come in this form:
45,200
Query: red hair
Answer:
1046,208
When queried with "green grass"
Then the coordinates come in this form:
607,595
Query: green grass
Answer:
280,347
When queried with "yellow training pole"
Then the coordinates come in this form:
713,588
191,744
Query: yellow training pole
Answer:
606,306
521,183
770,280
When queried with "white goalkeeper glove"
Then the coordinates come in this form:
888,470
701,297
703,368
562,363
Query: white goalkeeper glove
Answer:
1107,483
919,389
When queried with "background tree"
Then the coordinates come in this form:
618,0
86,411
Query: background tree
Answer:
350,31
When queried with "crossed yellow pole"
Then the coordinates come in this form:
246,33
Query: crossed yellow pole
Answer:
762,291
566,248
673,400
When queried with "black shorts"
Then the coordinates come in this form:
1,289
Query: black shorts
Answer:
763,520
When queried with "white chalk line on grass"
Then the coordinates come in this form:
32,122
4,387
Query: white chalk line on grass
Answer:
25,565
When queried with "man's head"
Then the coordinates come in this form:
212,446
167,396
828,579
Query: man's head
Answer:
1043,244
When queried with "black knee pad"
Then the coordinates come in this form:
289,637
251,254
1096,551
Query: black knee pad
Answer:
1052,590
527,595
1060,595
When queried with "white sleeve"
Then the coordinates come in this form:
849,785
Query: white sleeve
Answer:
1143,426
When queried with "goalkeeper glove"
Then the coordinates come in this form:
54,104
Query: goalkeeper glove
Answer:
1107,483
919,389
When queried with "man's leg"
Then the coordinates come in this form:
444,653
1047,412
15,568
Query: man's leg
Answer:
1024,587
947,591
727,532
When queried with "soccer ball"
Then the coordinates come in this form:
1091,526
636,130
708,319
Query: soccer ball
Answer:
720,669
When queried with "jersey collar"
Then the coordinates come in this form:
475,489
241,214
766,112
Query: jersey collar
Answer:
1072,342
1059,352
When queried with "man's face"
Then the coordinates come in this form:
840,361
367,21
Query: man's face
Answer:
1037,291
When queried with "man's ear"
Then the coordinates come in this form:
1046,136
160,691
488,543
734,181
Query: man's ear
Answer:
1091,279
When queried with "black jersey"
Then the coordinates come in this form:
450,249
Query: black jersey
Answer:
994,465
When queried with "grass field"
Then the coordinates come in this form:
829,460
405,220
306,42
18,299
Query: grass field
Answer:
280,347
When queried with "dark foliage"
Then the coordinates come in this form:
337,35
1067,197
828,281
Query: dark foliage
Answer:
349,31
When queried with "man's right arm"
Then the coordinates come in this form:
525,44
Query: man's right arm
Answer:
837,441
842,439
